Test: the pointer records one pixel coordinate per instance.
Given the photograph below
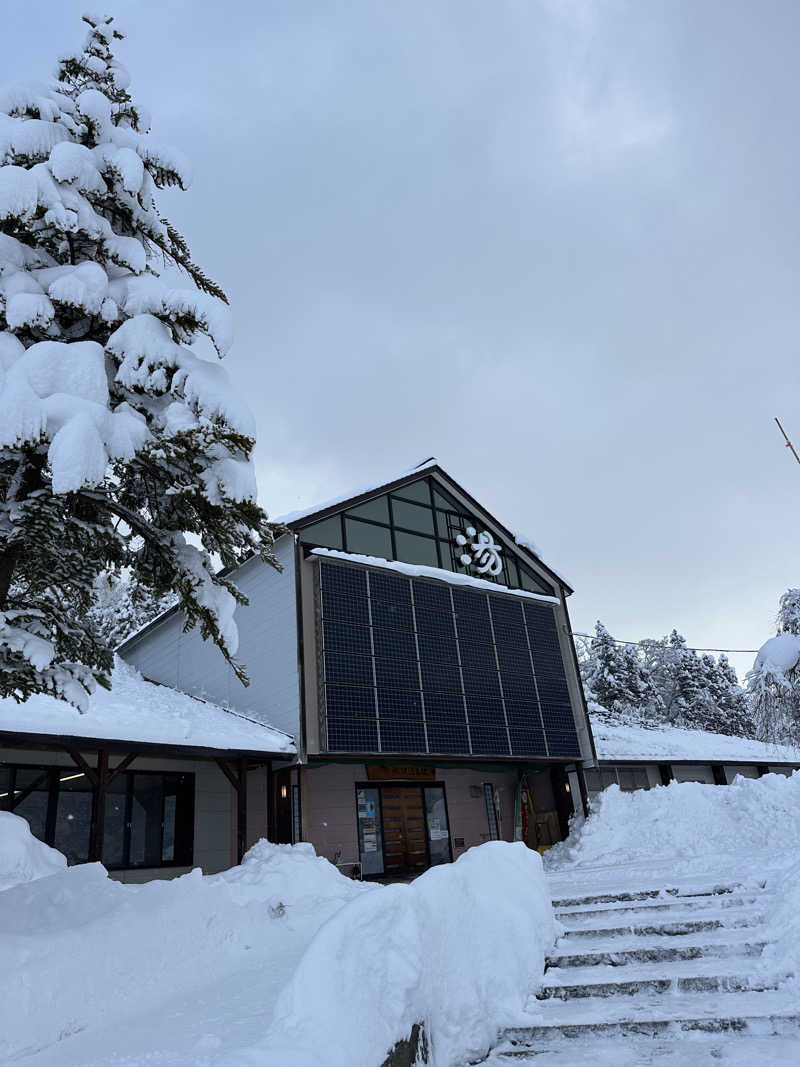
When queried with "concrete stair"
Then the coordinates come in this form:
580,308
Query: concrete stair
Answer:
636,968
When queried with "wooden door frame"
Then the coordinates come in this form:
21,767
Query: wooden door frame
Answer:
400,784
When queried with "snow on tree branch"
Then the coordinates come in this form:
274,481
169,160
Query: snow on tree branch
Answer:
117,437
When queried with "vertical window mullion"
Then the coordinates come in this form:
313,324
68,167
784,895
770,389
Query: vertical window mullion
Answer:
460,668
372,659
435,524
419,668
499,674
535,682
391,525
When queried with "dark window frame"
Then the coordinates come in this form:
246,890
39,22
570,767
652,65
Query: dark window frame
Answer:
184,816
455,521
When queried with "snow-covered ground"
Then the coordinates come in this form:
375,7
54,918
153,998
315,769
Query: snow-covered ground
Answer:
678,923
280,962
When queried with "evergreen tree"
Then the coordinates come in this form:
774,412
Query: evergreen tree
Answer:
121,607
615,678
773,684
116,438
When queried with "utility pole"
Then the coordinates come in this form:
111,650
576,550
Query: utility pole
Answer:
786,439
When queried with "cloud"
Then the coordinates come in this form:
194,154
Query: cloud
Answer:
605,110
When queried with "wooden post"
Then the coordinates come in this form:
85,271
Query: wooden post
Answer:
98,807
239,783
271,821
241,811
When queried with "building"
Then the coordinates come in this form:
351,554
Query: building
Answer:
635,757
414,691
150,781
422,657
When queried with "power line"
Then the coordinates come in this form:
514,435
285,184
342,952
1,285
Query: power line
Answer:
637,643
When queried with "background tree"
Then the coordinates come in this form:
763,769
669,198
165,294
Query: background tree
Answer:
121,607
773,684
117,439
663,682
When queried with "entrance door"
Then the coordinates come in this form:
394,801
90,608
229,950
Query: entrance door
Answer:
404,841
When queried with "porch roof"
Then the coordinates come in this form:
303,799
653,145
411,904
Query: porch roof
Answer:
619,743
142,713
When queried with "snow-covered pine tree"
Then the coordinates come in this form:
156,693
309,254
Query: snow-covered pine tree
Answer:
641,693
726,709
773,684
615,679
121,607
117,439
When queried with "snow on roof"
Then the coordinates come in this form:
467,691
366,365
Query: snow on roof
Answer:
523,541
139,711
614,741
418,570
303,513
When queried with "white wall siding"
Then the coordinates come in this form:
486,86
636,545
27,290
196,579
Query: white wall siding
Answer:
267,648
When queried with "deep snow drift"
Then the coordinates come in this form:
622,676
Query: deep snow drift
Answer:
685,822
23,858
458,950
280,961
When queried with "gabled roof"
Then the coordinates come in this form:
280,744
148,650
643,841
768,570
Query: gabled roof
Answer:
297,520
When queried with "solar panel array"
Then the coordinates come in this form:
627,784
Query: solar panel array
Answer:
416,666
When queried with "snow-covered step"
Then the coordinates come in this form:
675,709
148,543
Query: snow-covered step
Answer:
629,985
677,905
670,1048
621,895
665,927
765,1012
674,969
619,955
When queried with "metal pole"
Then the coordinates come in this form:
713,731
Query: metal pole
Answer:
786,439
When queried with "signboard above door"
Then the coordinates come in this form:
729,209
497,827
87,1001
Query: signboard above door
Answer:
400,772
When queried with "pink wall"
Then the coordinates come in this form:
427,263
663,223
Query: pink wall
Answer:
329,806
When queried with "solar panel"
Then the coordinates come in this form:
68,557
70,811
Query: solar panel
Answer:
415,666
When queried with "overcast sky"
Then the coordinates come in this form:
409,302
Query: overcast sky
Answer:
554,244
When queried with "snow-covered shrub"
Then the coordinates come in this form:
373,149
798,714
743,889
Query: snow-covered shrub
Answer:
459,950
23,858
118,437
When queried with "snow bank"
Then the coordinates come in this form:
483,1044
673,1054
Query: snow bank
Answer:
23,858
80,951
459,950
782,954
686,820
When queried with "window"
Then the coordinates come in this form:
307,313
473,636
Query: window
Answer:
149,816
417,523
436,820
367,539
